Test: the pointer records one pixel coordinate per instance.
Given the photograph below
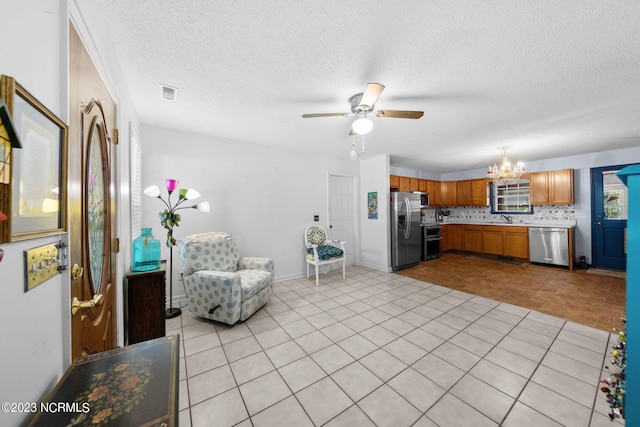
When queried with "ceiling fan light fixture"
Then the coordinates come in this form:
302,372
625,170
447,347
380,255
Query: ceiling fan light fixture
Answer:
362,126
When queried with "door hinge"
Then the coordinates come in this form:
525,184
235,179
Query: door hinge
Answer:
116,245
116,137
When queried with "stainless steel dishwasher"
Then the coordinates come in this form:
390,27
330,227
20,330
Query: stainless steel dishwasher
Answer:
549,245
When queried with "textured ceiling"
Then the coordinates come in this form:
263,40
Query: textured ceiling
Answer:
548,79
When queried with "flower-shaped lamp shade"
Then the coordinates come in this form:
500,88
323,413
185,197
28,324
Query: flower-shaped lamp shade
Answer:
152,191
203,207
171,184
189,194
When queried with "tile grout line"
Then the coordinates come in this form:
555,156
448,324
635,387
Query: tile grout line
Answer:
517,399
381,287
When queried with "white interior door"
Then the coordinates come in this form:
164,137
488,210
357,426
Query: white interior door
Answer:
341,212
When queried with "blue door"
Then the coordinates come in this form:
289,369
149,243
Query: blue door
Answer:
609,204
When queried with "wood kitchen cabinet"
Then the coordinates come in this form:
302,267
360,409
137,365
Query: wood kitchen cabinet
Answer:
428,186
449,191
479,192
463,193
445,243
414,184
473,238
509,241
539,188
516,242
436,198
493,239
561,187
394,182
144,314
457,240
452,237
551,187
405,184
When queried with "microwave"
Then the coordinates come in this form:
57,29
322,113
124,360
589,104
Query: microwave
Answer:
424,200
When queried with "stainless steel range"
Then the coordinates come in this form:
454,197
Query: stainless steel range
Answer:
431,238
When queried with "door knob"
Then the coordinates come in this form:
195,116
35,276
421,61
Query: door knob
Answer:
599,223
76,304
76,272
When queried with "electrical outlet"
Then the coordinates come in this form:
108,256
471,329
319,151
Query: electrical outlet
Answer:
316,218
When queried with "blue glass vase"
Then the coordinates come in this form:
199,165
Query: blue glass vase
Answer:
146,252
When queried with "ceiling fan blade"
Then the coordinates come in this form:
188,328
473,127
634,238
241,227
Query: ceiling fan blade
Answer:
371,94
309,116
400,114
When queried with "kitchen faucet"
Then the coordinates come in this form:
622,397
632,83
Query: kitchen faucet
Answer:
507,218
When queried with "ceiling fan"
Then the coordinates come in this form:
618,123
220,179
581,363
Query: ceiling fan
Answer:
362,104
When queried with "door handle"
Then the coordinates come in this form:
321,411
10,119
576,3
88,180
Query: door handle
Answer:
599,223
76,304
76,272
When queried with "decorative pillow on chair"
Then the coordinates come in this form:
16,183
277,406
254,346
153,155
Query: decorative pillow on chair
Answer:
325,252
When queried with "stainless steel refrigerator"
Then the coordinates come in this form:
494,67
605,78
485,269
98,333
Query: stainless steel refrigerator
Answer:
405,230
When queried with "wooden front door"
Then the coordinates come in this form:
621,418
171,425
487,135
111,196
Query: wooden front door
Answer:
91,207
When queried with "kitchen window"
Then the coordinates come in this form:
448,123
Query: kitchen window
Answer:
512,197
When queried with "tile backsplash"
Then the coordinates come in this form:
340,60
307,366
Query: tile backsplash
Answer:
483,214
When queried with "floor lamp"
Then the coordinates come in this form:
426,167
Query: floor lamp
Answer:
170,219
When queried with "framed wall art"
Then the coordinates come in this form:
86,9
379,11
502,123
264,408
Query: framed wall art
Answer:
372,205
37,192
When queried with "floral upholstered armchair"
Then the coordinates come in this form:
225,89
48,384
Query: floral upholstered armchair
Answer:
220,284
321,251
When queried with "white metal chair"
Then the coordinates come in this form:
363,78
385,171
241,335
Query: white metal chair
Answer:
321,251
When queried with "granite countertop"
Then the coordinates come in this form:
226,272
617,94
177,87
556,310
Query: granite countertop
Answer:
516,222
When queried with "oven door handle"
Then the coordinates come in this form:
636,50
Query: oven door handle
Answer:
430,239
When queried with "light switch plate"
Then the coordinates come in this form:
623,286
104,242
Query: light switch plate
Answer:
40,265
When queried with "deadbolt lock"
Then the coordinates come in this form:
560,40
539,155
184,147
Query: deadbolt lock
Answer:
76,272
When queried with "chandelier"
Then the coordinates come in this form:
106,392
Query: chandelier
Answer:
506,172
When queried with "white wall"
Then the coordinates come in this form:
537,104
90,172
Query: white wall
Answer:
374,233
263,196
35,325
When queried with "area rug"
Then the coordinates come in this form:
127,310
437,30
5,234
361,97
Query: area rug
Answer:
610,273
499,260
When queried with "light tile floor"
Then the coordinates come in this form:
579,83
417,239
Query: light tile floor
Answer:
380,349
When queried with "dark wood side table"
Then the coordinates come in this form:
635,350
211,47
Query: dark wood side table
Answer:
135,385
144,310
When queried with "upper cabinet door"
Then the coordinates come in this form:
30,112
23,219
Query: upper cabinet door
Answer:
479,192
539,184
449,197
561,187
463,196
405,184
